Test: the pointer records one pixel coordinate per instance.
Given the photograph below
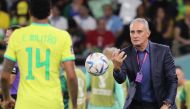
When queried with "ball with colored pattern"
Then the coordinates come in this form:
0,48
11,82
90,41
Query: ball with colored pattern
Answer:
96,64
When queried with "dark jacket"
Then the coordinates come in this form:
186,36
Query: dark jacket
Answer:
164,79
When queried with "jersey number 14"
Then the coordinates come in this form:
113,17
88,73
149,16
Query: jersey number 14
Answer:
38,64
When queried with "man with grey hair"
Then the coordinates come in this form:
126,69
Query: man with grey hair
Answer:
150,69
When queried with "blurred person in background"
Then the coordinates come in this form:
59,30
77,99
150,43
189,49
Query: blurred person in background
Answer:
183,95
141,11
182,5
39,49
78,39
84,20
113,22
5,18
4,24
56,19
164,27
105,93
100,37
19,13
72,9
82,90
182,35
124,39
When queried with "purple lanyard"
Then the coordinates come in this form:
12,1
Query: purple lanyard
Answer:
138,60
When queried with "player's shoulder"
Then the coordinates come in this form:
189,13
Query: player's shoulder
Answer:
17,31
59,31
22,29
161,46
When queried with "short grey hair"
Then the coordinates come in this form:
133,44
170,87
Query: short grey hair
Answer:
141,20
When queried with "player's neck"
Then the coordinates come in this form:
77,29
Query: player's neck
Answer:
35,20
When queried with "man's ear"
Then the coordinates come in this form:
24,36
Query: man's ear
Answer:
149,32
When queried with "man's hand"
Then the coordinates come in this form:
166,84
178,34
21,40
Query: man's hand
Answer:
164,106
117,58
8,104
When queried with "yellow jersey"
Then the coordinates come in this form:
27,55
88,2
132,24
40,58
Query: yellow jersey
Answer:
39,49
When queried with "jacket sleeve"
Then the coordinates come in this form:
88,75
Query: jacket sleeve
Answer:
171,78
120,76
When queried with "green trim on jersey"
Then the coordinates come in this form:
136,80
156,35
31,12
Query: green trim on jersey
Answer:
10,58
68,59
40,24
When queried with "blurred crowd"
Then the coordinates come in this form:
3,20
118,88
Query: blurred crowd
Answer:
95,24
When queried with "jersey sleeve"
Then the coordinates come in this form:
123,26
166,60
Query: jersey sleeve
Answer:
10,51
68,53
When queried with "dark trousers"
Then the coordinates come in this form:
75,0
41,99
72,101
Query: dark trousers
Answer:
143,105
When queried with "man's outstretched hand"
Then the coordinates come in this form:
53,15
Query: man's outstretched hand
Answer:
117,58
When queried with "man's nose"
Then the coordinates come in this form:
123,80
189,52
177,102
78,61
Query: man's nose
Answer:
135,35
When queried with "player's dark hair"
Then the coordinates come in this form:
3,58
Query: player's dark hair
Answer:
178,67
40,9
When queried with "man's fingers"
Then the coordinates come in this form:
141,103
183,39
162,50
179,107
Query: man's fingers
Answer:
115,54
125,56
121,55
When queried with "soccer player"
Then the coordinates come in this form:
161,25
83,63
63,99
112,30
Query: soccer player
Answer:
39,49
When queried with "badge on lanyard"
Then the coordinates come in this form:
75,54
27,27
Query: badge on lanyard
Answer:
139,75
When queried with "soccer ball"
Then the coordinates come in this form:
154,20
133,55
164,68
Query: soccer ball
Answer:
96,64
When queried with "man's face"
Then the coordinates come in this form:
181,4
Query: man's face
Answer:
139,34
83,11
55,11
107,11
101,25
7,36
180,75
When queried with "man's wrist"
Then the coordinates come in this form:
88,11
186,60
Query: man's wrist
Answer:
167,103
116,70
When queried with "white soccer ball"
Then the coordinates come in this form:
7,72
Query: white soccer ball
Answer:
96,64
